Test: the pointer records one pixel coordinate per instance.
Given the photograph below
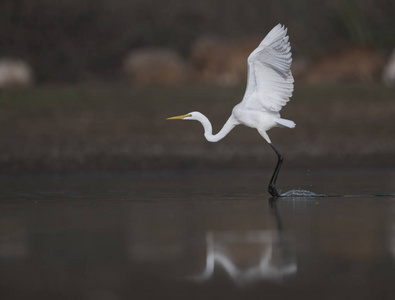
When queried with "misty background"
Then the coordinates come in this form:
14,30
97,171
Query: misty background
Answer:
88,84
72,41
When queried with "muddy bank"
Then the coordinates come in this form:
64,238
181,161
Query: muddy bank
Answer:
123,129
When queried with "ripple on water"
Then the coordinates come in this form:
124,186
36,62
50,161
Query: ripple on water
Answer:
301,193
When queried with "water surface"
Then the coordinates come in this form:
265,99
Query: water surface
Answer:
198,235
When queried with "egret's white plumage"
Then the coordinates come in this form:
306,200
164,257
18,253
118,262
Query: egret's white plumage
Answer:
269,87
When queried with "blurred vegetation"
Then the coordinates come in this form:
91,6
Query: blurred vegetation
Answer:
119,128
87,40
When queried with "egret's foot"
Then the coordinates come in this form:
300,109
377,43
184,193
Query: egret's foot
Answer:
273,191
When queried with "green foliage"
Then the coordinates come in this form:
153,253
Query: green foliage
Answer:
74,40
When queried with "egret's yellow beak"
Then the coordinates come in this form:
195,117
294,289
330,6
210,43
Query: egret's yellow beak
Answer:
179,117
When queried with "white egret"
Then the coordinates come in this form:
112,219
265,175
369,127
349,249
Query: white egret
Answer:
269,87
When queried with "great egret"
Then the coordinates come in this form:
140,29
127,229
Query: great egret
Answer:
269,87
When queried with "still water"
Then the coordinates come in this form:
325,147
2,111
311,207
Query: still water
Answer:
198,235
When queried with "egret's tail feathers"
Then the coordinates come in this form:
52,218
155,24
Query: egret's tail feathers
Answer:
285,123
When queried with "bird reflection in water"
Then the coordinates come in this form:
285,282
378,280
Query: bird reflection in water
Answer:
250,256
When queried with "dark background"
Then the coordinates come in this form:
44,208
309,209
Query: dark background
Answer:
77,40
81,111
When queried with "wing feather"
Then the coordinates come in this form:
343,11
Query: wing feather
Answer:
270,81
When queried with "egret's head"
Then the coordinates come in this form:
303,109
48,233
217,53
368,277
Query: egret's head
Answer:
190,116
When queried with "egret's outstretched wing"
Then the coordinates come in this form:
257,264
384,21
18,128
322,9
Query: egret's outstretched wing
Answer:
270,81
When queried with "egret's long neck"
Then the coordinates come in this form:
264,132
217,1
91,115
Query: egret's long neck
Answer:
208,129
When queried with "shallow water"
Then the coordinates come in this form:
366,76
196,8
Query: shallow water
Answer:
198,235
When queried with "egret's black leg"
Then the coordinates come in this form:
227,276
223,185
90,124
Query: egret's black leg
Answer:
272,189
278,166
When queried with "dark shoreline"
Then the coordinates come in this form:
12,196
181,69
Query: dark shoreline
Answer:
122,129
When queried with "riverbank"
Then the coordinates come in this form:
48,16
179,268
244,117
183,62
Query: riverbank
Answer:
118,128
